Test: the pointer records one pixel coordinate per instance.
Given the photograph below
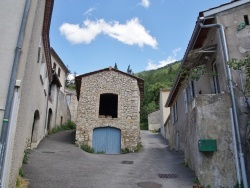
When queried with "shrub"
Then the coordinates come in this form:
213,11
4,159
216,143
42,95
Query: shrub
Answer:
68,126
87,148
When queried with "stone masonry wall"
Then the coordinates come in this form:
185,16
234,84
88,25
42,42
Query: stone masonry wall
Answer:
154,122
128,107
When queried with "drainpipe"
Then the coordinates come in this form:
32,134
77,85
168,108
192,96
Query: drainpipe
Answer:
235,148
229,76
9,100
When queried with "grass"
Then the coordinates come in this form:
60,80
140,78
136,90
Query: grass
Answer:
68,126
87,148
22,182
135,150
124,151
155,131
25,157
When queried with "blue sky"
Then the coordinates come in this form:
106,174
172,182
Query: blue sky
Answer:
90,35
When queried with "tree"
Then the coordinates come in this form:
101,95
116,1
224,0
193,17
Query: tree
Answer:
129,70
115,67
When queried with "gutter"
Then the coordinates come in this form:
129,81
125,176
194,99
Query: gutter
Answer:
10,95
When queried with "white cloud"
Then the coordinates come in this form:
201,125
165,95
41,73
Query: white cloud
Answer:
131,33
89,11
145,3
170,59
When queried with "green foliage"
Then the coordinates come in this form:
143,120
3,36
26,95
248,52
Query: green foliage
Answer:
154,80
125,151
138,147
115,67
25,157
87,148
68,126
21,173
197,181
237,64
155,131
195,73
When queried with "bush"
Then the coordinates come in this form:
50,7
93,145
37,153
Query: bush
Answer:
87,148
125,151
68,126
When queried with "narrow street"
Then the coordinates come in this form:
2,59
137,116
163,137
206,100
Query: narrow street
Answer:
57,162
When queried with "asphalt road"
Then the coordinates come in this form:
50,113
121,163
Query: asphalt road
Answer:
58,163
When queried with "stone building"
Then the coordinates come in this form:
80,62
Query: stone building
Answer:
202,120
108,117
154,121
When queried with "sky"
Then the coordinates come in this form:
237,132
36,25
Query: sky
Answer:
89,35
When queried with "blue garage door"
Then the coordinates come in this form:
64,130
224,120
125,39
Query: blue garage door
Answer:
107,140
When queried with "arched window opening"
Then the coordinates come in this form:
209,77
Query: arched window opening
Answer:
35,127
108,105
49,119
54,66
59,72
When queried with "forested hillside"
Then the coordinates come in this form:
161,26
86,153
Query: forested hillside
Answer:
155,80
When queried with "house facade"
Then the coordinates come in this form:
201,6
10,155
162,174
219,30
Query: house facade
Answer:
26,75
164,111
202,123
58,108
108,116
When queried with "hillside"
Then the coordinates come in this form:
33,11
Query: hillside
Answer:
154,80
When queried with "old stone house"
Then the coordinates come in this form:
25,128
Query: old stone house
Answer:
208,111
108,117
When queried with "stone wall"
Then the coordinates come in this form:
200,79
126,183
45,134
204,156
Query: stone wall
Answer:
72,102
154,122
210,119
128,107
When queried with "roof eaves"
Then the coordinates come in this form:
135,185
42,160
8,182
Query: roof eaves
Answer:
223,7
45,34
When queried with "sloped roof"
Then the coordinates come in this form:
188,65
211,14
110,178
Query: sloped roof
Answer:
58,59
78,80
198,36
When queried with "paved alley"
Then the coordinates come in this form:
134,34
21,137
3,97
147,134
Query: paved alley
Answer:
57,162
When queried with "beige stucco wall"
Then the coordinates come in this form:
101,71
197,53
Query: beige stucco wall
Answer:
62,111
32,92
128,107
154,121
164,111
10,18
63,74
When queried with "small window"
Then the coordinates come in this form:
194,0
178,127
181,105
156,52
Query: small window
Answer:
246,19
185,100
108,106
174,113
54,66
59,72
